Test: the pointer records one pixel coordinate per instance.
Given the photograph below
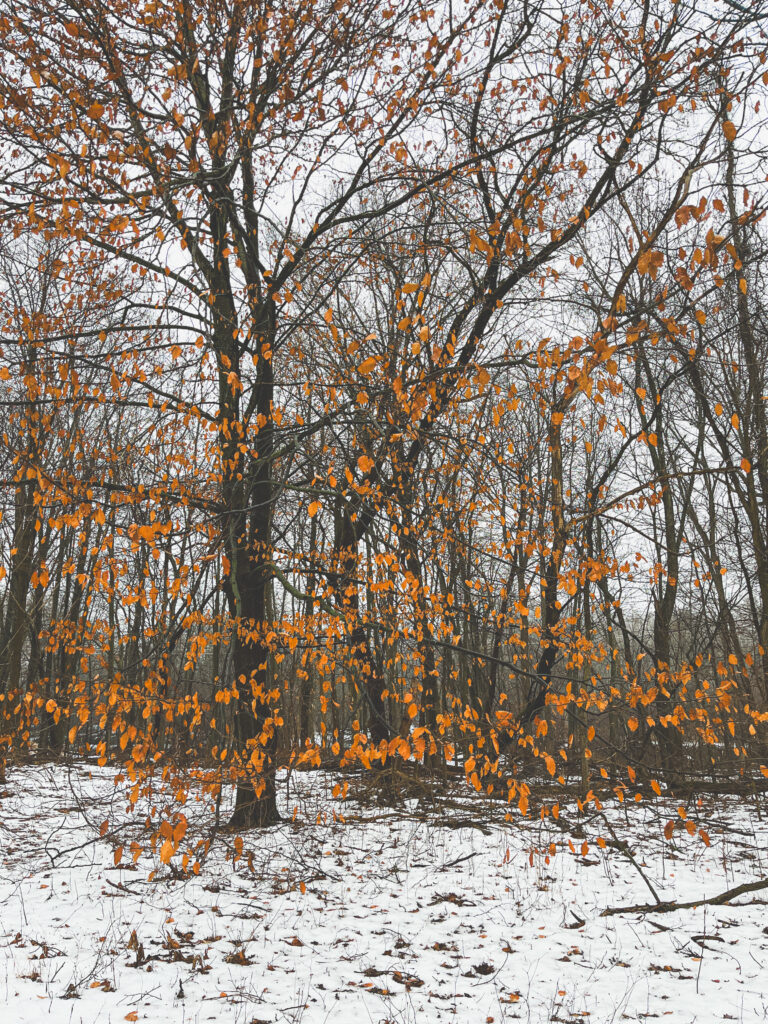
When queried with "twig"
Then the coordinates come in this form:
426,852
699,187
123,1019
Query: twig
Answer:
669,906
452,863
703,950
466,823
624,848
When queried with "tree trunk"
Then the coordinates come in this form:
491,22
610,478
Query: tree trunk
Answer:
347,598
248,497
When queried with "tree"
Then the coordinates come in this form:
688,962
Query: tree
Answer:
331,222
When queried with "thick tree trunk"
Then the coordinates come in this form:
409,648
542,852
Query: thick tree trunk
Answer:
16,625
248,495
255,717
255,725
22,567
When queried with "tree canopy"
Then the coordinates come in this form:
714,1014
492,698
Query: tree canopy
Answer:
385,383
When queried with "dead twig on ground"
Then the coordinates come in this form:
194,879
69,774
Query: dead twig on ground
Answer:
669,906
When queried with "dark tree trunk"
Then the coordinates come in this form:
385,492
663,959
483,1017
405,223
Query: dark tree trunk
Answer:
347,596
551,610
669,737
248,495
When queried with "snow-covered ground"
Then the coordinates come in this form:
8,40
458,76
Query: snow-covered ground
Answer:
444,914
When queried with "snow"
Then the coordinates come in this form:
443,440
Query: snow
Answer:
403,918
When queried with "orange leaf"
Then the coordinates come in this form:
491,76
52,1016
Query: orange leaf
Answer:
367,366
650,262
669,828
729,130
364,463
133,1015
166,851
746,465
314,508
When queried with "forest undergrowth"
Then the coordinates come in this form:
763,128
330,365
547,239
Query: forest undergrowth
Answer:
425,907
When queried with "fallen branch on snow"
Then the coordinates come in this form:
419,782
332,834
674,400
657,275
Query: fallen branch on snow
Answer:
669,906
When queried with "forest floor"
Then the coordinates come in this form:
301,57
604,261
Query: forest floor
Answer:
405,915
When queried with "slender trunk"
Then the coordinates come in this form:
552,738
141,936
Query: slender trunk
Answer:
414,564
347,596
669,736
755,416
551,609
667,729
305,691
